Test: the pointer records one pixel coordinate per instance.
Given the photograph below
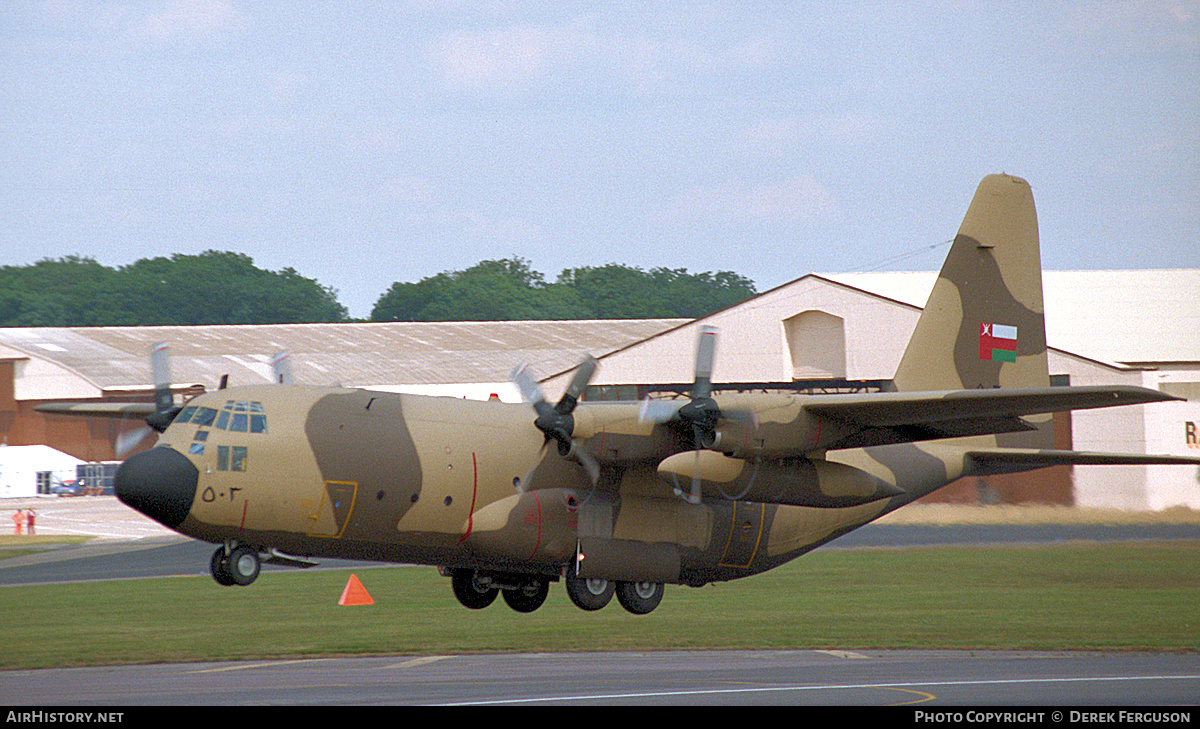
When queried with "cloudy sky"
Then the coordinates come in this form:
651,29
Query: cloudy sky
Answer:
363,143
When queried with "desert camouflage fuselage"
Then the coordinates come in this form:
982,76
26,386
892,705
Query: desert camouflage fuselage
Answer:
288,472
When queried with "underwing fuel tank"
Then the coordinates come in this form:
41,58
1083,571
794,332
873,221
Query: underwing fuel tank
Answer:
797,481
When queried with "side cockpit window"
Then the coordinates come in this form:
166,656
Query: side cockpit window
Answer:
241,416
204,416
236,416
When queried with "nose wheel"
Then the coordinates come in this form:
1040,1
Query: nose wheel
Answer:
237,566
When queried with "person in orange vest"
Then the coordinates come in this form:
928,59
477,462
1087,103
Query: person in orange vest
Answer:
18,520
29,516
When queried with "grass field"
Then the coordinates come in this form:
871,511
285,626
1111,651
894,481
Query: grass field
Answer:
1103,596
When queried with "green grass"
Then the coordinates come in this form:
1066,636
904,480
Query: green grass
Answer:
12,545
1111,596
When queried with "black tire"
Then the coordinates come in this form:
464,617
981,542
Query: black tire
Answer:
244,565
469,591
639,598
220,568
588,594
529,596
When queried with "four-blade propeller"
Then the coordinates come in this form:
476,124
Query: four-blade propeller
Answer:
700,414
557,421
164,403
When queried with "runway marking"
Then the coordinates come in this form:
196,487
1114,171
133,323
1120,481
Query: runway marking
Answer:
843,654
925,696
831,687
423,660
243,667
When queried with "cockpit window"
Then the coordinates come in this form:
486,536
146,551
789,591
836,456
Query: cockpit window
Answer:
186,414
236,416
204,416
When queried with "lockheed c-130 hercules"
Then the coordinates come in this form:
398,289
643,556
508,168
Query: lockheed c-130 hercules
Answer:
622,497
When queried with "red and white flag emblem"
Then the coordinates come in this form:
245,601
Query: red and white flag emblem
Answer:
998,342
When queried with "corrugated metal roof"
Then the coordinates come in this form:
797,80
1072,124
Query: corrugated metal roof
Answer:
355,355
1129,316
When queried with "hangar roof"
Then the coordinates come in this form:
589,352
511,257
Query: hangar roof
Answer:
1131,316
355,355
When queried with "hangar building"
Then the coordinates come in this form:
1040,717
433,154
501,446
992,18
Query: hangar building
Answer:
848,331
463,359
832,332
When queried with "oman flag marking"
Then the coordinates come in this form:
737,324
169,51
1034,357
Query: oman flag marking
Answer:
997,342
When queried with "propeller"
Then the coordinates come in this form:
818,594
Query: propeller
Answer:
164,403
556,421
701,413
164,400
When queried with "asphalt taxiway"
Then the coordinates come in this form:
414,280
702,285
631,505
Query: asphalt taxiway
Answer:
128,546
922,679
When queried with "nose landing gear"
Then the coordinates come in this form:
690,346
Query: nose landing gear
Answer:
238,565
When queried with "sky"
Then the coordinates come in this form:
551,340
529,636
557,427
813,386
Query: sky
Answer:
364,143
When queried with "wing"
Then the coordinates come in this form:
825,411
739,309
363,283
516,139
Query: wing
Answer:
902,417
99,409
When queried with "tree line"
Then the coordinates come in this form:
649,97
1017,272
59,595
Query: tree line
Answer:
217,287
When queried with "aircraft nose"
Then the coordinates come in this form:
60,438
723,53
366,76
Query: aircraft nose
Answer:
160,483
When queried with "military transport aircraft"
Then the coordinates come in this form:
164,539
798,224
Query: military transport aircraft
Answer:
623,498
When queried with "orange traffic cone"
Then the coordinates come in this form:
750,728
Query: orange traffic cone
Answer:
355,593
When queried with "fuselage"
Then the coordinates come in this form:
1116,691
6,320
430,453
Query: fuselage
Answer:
349,473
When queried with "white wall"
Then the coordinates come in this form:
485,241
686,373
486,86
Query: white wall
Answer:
1168,431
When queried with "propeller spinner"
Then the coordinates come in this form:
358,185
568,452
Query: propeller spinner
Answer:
701,413
556,421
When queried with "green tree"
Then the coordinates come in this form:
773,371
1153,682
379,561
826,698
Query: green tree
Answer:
69,291
620,292
511,289
210,288
217,287
488,291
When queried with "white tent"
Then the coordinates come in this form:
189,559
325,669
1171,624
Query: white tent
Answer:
21,468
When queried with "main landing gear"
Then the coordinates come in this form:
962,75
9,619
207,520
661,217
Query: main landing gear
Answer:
526,593
477,590
239,565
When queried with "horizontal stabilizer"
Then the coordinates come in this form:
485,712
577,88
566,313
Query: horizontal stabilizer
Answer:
1021,458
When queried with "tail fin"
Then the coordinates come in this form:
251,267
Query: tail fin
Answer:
983,326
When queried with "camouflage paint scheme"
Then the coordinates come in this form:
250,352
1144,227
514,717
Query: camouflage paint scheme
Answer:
476,489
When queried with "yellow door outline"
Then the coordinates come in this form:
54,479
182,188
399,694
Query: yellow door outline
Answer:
743,538
332,522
